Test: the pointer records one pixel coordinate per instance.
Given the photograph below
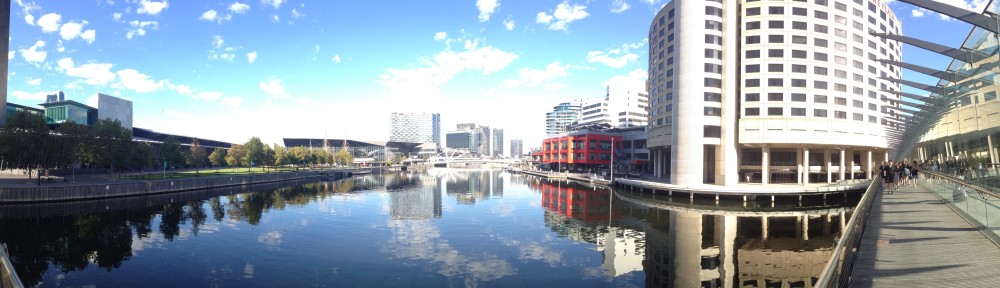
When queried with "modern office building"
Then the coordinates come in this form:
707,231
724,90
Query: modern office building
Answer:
114,108
771,91
465,139
516,148
59,112
415,127
562,116
4,48
624,105
497,142
55,97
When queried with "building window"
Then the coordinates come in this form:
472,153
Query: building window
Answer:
775,38
752,97
819,56
751,54
775,111
713,25
821,113
798,97
713,68
713,97
713,83
798,111
800,83
775,82
753,82
820,15
799,54
819,99
796,68
751,112
797,25
753,25
716,54
858,117
713,11
776,24
800,39
712,131
713,111
775,97
840,114
775,53
820,28
775,10
819,84
819,70
753,39
799,11
775,68
820,42
753,68
753,11
713,39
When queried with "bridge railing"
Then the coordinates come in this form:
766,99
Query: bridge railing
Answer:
837,272
977,203
8,278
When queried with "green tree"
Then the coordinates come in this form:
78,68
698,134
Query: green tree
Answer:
269,157
280,155
143,156
197,156
218,157
343,157
170,151
113,144
75,139
23,142
234,157
254,152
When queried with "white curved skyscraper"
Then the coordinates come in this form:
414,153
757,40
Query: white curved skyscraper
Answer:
757,91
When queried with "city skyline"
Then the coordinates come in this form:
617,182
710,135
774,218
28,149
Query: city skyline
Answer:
305,66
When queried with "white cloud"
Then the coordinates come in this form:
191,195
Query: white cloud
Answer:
90,35
209,15
535,77
10,54
217,42
336,58
918,13
239,8
71,30
274,88
152,7
275,17
564,14
117,16
138,82
209,96
486,8
181,89
615,58
273,3
443,66
619,6
252,56
138,28
219,51
33,54
440,36
28,18
91,73
35,96
34,81
49,22
296,14
509,23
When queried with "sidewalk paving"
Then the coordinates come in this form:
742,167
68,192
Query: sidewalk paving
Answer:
913,239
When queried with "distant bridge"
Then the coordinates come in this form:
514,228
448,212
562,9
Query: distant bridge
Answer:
463,159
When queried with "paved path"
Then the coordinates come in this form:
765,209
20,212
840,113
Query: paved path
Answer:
913,239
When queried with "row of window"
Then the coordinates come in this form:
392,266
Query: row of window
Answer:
799,11
801,97
819,113
817,84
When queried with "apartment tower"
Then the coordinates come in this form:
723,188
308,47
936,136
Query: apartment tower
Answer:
771,91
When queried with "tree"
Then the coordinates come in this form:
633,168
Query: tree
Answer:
170,152
75,139
269,157
280,155
218,157
197,156
143,156
23,142
234,157
112,144
343,157
254,151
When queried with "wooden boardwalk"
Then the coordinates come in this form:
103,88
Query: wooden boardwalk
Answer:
913,239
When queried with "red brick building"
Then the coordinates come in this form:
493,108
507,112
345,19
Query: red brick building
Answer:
579,150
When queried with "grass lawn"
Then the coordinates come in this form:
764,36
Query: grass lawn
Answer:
210,172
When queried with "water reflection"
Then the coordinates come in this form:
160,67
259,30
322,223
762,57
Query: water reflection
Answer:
443,227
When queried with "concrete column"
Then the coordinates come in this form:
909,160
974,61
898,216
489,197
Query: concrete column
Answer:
763,227
805,227
805,160
843,162
798,159
799,226
989,144
869,165
843,221
827,162
765,164
656,163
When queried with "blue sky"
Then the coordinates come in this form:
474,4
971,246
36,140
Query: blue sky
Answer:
228,70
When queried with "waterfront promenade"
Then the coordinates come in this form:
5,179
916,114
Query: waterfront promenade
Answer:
913,239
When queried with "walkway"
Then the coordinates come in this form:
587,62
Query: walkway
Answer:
913,239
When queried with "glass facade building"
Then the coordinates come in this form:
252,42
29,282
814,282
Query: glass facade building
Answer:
415,127
69,110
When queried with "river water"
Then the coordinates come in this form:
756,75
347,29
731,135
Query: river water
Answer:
435,228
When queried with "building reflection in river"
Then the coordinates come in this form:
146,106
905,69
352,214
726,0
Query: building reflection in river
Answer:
686,244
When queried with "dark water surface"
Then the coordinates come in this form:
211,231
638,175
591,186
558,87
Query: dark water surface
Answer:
438,228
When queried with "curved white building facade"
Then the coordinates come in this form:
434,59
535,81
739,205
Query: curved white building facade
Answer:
771,91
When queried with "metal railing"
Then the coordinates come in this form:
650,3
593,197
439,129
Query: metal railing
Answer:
837,272
8,278
977,203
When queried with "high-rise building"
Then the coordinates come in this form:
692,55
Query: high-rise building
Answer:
768,91
415,127
516,148
55,97
465,138
4,48
497,142
114,108
562,116
624,105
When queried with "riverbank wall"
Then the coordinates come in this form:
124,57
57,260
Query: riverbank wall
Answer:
126,188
